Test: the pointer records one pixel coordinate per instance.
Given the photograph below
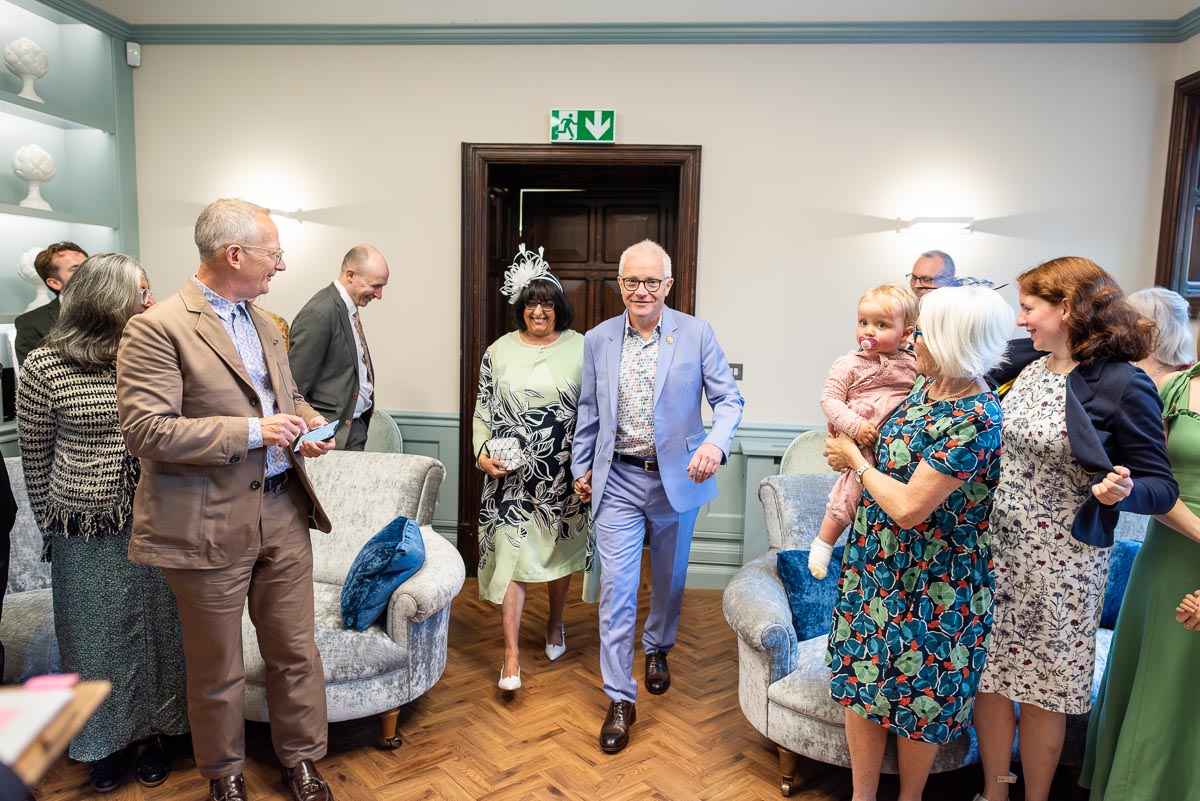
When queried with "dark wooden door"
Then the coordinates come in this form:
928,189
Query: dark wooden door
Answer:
601,200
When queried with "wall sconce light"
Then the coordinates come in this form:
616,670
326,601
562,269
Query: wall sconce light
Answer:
936,225
290,216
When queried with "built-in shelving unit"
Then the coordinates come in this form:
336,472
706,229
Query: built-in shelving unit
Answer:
86,124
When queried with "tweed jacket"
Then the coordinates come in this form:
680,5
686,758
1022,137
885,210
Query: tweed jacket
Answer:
184,399
324,358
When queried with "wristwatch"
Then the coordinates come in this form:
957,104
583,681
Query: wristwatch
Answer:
858,474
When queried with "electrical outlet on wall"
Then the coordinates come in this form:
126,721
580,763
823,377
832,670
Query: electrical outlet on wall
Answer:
737,370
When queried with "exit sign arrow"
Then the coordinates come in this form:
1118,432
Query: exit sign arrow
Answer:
583,125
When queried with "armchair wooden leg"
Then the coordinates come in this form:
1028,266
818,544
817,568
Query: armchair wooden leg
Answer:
787,767
388,738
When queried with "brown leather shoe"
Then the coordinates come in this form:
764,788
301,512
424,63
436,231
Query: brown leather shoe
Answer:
227,788
658,675
614,734
305,783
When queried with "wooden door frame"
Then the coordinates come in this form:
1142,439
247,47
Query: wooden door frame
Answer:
478,159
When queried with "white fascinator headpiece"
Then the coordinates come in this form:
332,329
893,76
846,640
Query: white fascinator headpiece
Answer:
526,268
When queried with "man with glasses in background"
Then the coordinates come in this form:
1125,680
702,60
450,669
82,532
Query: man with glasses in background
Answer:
329,356
643,460
55,265
223,504
933,269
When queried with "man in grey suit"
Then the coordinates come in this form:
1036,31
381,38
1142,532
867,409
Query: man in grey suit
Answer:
55,265
329,355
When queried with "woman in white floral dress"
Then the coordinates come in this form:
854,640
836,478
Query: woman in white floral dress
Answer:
1082,432
532,527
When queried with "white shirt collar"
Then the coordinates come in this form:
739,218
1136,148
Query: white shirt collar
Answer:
351,306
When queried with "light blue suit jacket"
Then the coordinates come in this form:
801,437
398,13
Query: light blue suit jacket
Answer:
689,360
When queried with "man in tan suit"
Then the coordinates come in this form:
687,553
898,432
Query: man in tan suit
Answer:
223,506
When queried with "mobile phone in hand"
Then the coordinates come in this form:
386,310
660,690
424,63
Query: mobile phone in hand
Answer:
319,434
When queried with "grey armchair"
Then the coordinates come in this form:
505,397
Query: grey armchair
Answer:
373,672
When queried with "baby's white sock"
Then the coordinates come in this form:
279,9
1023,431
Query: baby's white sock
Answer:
819,554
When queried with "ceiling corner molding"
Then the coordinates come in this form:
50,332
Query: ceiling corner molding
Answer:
1188,25
89,14
988,32
901,32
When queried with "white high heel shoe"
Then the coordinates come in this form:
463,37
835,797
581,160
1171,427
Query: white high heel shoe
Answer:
509,683
555,651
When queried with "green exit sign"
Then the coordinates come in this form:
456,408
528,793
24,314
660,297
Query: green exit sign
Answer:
583,125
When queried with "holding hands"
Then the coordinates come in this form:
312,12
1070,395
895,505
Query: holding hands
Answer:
1115,487
583,487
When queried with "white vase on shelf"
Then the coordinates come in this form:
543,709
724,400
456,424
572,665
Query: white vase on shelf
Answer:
26,270
27,60
34,166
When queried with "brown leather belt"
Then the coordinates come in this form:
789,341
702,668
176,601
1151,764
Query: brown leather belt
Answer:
649,465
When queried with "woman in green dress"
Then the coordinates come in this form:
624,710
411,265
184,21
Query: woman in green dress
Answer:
1139,743
532,526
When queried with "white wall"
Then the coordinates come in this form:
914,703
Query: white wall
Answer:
810,153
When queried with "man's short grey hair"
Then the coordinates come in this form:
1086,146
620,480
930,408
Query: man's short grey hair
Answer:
224,222
965,329
646,246
947,262
1173,343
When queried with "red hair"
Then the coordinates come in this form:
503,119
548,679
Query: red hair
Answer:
1100,323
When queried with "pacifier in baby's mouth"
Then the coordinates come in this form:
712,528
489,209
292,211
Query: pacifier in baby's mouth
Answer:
868,343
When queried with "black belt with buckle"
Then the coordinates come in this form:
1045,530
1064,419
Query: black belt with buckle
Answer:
277,482
649,465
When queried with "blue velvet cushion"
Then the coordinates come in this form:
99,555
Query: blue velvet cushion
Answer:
384,563
1119,565
811,599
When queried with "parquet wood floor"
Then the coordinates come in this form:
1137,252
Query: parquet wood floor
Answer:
466,740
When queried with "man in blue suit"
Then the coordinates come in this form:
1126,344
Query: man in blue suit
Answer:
645,463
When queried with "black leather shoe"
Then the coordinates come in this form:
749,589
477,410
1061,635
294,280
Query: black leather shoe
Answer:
152,763
108,773
305,784
658,675
614,734
227,788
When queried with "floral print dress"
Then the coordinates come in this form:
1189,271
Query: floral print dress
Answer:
1049,585
912,623
532,526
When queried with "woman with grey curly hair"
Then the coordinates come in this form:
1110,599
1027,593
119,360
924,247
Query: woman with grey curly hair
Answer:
1174,346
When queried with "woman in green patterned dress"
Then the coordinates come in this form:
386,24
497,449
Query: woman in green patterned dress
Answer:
532,527
114,620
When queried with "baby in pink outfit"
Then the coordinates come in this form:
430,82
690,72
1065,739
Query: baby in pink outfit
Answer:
863,389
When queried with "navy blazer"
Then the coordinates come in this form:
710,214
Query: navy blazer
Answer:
1114,417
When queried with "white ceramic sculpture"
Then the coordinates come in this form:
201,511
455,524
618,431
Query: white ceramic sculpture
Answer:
26,270
27,60
34,166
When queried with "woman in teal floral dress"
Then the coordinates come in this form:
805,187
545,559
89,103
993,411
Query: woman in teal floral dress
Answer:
912,623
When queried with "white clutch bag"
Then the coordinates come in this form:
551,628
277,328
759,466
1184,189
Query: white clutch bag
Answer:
507,450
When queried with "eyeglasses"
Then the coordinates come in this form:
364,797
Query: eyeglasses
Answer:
631,284
276,252
533,305
147,296
929,283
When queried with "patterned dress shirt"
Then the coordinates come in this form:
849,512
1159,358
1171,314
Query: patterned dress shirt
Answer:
236,319
635,392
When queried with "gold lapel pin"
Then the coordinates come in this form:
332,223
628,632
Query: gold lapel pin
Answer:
670,340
